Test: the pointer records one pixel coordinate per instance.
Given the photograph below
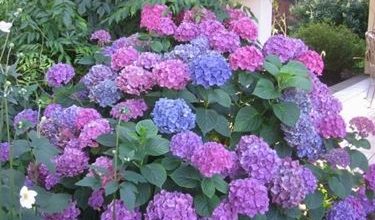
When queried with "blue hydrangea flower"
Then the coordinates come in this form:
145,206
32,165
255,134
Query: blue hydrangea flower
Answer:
184,52
105,93
210,69
344,210
97,74
201,42
173,115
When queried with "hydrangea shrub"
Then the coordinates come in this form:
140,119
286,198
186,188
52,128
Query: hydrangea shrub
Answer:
191,119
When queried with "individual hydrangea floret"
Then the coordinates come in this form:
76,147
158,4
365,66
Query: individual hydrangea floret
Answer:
209,70
129,109
123,57
370,177
186,31
212,158
248,197
257,158
134,80
103,167
85,116
209,27
96,199
313,61
101,36
246,58
337,157
4,151
171,205
59,74
120,211
71,163
286,48
173,115
171,74
225,41
92,130
52,110
224,211
244,27
97,74
332,126
71,212
347,209
105,93
184,144
363,125
148,60
28,116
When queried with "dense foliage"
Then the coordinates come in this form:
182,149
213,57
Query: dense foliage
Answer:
188,119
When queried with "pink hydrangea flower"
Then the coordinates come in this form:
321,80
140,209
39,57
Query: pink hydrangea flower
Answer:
187,31
157,18
171,74
103,168
332,126
130,109
363,125
123,57
198,15
235,14
101,36
85,115
91,131
134,80
166,27
225,41
246,58
209,27
313,61
245,27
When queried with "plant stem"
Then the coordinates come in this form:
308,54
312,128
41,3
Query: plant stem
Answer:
116,164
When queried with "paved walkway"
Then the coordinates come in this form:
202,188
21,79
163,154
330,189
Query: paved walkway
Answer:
352,94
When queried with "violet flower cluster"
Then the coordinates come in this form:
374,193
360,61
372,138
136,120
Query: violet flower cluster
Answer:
96,199
101,36
337,157
26,116
105,93
4,151
370,176
59,74
120,211
103,168
363,125
286,48
129,109
349,208
71,212
246,58
184,144
40,174
171,74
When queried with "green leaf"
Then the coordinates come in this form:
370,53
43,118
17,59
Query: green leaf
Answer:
275,60
20,147
266,90
247,119
294,213
157,46
170,163
297,82
108,140
154,174
222,126
51,202
219,96
314,200
206,119
358,159
43,150
89,181
81,195
295,68
127,132
134,177
287,112
111,188
186,176
271,68
208,187
246,79
220,184
204,205
144,194
146,128
337,187
128,193
317,214
157,146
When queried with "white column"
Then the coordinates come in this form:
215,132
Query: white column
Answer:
262,10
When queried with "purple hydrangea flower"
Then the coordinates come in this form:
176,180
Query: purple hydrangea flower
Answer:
311,182
224,211
27,115
363,125
101,36
337,157
96,199
97,74
332,126
105,93
72,162
201,42
4,152
173,115
257,158
117,44
209,70
209,27
347,210
59,74
185,52
85,116
52,110
246,58
40,174
186,31
148,60
129,109
212,158
134,80
248,197
69,213
171,205
91,131
121,212
289,187
166,27
123,57
225,41
244,27
198,14
184,144
102,167
370,177
286,48
171,74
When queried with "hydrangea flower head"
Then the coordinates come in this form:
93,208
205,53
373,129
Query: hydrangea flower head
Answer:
4,151
345,210
97,74
171,74
71,163
59,74
313,61
173,115
105,93
123,57
52,110
244,27
86,115
184,144
71,212
257,158
246,58
184,52
186,31
129,109
337,157
235,14
92,130
101,36
39,174
224,211
121,212
212,158
311,183
284,47
134,80
96,199
202,43
171,205
363,125
198,15
148,60
209,27
225,41
370,177
102,167
209,70
152,15
27,115
131,41
332,126
248,197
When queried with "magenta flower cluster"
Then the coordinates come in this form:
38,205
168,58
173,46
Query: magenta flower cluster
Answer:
101,36
129,109
117,210
363,125
313,61
134,80
332,126
246,58
171,74
184,144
